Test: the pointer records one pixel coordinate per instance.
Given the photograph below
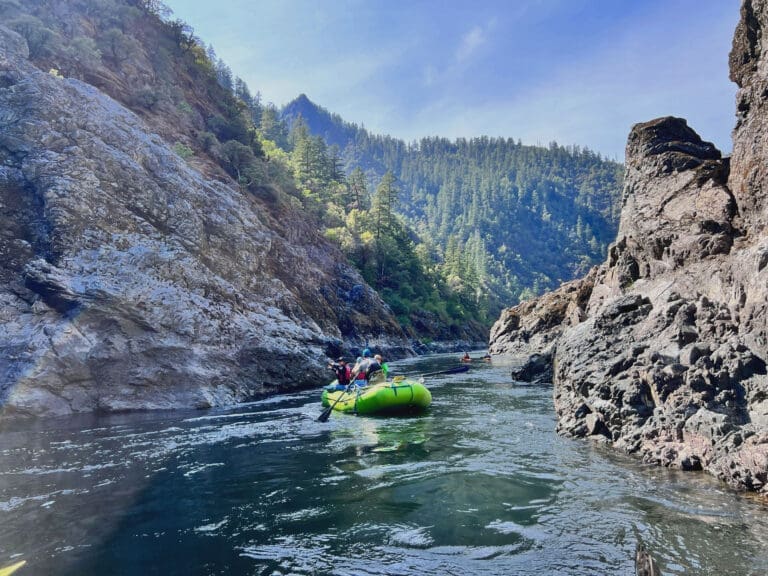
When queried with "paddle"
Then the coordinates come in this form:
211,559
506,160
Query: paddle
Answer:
456,370
327,412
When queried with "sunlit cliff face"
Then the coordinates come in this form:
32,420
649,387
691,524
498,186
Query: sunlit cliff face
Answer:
131,281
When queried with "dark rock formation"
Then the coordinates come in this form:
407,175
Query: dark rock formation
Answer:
535,325
527,334
645,564
128,280
668,361
536,369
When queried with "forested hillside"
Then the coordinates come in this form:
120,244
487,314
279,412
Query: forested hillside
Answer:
139,54
447,232
508,219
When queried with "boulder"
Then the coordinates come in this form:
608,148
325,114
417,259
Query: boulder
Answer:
536,369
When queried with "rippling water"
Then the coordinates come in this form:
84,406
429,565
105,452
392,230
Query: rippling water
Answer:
480,484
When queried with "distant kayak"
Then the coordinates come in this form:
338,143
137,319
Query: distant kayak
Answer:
8,570
386,398
486,358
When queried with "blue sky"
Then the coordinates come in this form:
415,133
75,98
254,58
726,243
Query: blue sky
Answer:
574,71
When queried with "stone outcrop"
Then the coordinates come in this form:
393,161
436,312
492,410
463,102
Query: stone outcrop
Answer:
128,280
527,334
669,359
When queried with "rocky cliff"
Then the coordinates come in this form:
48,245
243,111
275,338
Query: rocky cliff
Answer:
129,280
665,357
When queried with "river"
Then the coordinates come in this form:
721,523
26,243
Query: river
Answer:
480,484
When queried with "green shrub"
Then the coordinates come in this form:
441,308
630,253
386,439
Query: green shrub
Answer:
184,151
228,128
146,97
85,53
37,35
207,141
184,106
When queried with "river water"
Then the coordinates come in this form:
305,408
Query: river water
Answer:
480,484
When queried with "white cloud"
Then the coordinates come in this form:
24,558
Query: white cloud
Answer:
470,42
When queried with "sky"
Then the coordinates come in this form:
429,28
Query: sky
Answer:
578,72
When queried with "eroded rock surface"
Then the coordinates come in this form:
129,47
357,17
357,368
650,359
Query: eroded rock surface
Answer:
128,280
527,334
669,359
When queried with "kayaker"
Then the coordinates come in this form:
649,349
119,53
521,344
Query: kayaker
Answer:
466,357
342,370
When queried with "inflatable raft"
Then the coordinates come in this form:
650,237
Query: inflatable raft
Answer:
397,396
8,570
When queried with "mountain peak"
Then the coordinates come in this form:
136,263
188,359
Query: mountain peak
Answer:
319,120
301,102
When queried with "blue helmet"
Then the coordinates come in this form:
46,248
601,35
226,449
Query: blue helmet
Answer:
366,353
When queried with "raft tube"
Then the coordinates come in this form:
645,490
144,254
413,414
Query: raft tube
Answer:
384,398
8,570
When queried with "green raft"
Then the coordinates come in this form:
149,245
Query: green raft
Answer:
397,396
8,570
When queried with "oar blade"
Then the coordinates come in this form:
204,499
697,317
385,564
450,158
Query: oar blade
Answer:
326,413
456,370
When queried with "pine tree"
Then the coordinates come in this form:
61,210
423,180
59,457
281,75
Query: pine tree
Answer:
358,186
242,92
273,128
384,202
224,75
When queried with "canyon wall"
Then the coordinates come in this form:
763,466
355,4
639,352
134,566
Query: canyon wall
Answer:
663,353
129,280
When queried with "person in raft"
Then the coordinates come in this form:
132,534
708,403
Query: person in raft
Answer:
487,358
367,370
342,371
384,367
466,357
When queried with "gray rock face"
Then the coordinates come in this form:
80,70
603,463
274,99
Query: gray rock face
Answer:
749,70
129,281
536,324
527,334
669,359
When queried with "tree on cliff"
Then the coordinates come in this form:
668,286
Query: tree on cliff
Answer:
38,36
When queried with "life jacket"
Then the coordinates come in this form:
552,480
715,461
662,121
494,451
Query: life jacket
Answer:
364,367
342,373
372,367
